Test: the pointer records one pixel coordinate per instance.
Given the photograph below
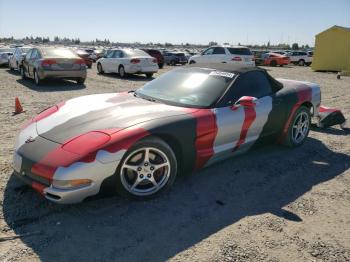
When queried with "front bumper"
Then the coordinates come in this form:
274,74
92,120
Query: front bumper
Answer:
96,171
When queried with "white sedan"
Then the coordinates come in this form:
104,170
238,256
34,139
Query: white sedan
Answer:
128,61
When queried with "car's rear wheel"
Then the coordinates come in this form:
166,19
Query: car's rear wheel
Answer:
80,81
301,62
299,127
37,80
147,169
99,68
273,63
121,71
173,63
149,75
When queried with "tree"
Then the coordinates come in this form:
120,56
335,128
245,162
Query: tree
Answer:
295,46
307,46
212,43
268,44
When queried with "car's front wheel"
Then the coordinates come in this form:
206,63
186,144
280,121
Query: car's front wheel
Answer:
299,127
149,75
99,68
147,169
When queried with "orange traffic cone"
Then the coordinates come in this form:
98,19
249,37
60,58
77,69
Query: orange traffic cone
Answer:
18,107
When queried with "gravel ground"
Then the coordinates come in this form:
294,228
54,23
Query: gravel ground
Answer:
272,204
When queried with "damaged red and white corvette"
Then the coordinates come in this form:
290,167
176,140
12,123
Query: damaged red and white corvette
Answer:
137,142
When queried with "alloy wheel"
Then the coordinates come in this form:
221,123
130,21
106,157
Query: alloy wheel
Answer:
145,171
301,127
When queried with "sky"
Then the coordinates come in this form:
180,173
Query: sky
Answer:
176,21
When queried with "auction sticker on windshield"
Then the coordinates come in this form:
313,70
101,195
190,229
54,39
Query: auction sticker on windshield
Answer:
224,74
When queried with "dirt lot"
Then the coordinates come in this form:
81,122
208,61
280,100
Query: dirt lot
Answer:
272,204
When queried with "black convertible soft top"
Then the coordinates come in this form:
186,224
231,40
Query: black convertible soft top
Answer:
238,69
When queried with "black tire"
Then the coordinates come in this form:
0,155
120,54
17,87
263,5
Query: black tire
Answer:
308,64
81,81
149,142
99,68
37,79
273,63
22,72
149,75
289,140
301,62
173,63
192,62
161,65
121,71
89,66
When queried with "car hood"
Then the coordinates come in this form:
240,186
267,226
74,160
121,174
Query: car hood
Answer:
100,112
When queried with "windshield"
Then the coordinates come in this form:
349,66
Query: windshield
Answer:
135,52
6,50
25,50
58,52
191,87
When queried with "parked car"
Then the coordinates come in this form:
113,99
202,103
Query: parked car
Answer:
156,54
128,61
49,62
285,53
225,54
137,142
300,58
16,59
5,54
174,58
272,59
86,56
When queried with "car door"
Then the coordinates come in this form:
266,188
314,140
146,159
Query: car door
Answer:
242,114
219,55
31,62
107,62
206,56
26,61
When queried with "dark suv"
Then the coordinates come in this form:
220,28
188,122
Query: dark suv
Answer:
174,58
156,54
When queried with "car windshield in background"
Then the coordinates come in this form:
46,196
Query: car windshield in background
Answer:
239,51
25,50
135,52
58,52
6,50
195,87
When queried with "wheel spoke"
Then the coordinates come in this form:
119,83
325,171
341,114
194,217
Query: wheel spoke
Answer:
156,167
146,158
131,167
137,181
153,181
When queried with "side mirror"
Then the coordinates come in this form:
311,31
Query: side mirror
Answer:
246,101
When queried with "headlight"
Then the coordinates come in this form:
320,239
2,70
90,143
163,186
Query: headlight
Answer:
70,184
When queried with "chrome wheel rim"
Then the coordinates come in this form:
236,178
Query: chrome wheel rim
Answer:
145,171
300,127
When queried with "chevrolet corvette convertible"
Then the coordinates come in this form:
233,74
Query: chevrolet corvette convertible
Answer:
137,142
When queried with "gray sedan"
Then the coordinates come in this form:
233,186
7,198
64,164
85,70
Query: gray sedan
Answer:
49,62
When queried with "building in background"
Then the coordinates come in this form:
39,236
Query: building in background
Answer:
332,50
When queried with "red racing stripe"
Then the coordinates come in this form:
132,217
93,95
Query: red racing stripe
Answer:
38,187
43,114
59,157
206,131
249,117
303,96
